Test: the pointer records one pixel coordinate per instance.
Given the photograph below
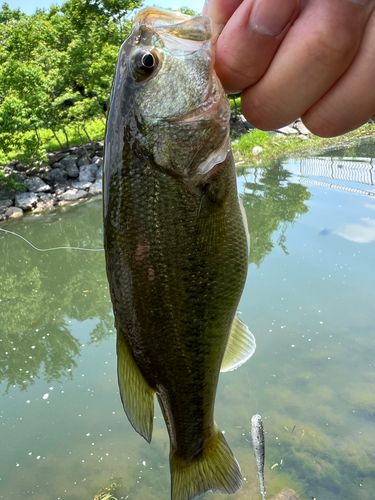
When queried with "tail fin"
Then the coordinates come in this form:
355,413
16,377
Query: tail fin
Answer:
217,470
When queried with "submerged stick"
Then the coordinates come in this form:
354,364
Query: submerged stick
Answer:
257,435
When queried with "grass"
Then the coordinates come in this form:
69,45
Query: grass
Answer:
275,146
95,129
76,135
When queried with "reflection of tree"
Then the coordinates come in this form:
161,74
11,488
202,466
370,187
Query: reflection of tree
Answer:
271,203
41,292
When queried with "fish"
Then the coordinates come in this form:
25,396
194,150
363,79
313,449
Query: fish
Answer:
176,243
257,436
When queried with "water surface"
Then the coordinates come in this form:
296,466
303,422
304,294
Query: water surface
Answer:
309,300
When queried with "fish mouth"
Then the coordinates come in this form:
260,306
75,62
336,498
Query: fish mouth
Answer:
153,16
180,34
181,25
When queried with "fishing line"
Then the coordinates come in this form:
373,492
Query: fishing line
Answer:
55,248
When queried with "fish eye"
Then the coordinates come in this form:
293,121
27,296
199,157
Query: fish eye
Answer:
148,60
145,63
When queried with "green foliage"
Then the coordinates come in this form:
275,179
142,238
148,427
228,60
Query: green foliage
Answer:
7,14
235,103
9,183
251,139
187,11
276,146
56,70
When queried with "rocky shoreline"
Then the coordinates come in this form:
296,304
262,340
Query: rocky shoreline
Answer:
70,175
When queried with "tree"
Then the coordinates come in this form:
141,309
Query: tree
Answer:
56,68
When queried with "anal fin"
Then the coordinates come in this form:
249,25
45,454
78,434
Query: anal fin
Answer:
136,395
240,347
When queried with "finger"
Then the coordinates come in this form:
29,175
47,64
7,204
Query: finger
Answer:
220,11
250,39
315,53
351,101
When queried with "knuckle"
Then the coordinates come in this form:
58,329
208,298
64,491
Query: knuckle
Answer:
332,43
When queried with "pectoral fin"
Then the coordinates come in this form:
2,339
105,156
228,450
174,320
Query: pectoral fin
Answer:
136,395
241,346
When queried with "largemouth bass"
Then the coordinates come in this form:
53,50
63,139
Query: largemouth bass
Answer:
176,243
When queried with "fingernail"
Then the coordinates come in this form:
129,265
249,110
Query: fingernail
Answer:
270,18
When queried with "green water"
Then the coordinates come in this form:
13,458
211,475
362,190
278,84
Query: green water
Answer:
309,300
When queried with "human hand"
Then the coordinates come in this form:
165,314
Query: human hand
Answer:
313,59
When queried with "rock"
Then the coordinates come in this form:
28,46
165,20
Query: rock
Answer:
239,125
26,201
70,165
73,195
72,171
59,190
288,130
6,171
69,160
83,161
98,146
58,164
96,188
4,205
286,494
19,177
44,169
76,150
57,175
13,212
6,195
36,185
87,173
257,150
45,201
97,160
12,164
17,165
46,197
81,185
299,125
54,157
99,174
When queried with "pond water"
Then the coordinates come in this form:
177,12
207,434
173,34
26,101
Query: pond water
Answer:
309,301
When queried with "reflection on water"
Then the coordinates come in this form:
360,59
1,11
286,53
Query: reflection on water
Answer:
308,300
41,293
271,203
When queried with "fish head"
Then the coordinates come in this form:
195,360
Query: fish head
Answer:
167,103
